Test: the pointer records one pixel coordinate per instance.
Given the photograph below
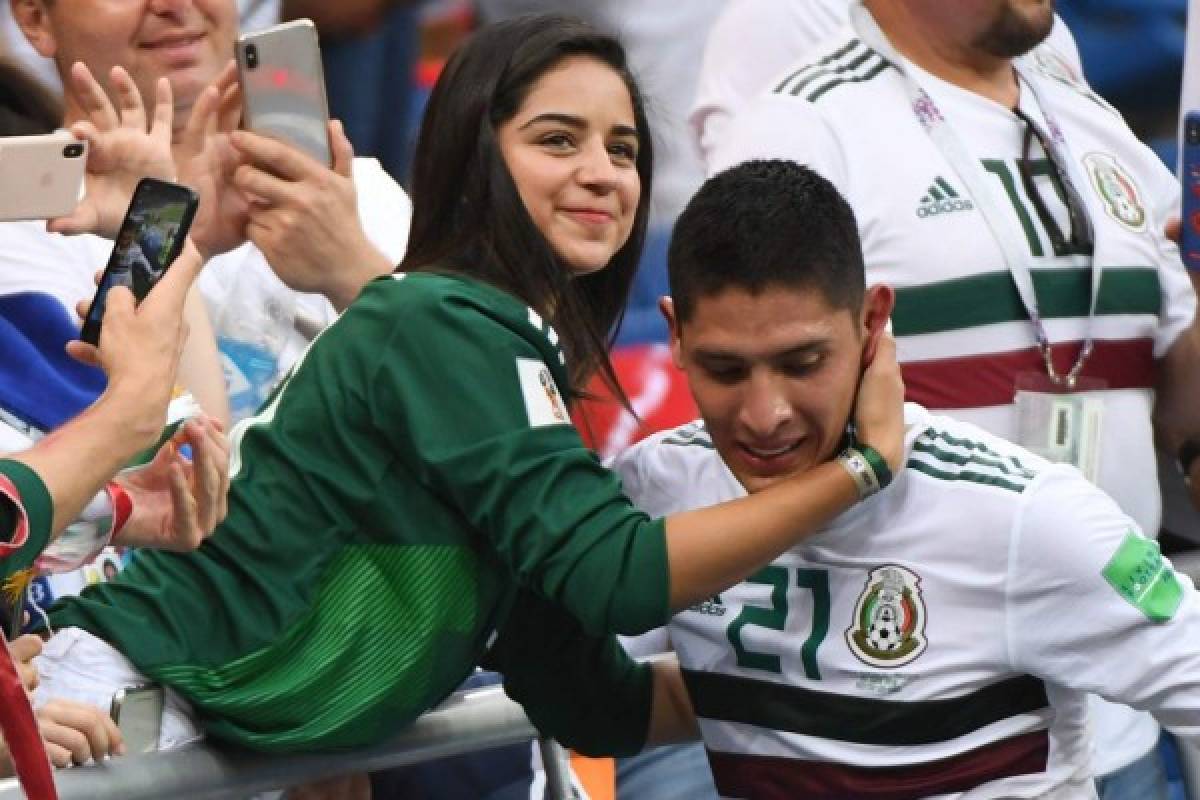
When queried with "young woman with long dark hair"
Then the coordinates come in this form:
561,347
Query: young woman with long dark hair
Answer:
416,478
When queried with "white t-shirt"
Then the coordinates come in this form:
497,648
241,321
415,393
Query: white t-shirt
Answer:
940,635
963,336
753,41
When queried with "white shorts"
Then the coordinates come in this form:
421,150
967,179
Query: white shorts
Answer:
75,665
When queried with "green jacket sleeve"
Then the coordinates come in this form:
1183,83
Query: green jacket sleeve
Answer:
470,400
26,513
582,690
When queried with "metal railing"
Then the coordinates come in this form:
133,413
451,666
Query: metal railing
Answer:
475,719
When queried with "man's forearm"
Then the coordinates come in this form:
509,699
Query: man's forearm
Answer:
75,461
200,363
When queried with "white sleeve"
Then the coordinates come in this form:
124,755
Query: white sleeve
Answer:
384,209
749,44
1178,294
784,127
1092,606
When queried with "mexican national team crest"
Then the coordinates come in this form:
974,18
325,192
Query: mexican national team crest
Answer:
1116,188
889,619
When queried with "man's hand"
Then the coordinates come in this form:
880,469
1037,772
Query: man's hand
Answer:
76,733
73,733
304,216
122,148
177,504
23,650
206,162
140,347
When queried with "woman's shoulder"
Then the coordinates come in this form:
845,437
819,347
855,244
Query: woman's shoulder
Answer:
429,301
414,290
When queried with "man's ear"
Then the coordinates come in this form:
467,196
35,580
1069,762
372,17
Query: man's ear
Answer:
667,307
877,312
34,21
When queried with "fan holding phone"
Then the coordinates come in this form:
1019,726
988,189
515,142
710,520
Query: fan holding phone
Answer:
150,238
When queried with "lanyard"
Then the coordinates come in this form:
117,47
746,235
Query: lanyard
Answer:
984,194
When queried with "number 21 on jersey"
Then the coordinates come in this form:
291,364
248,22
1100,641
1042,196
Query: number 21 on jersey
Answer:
788,585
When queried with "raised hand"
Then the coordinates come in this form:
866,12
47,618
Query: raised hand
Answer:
207,161
176,503
879,409
123,148
304,216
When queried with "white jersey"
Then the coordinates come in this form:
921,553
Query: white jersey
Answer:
963,336
935,640
752,41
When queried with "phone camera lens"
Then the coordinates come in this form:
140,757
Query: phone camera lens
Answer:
251,56
1193,134
73,151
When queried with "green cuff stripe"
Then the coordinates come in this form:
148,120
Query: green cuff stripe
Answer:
39,510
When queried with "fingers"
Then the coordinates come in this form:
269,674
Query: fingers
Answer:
84,353
262,188
129,99
91,97
1172,229
343,151
77,733
275,157
210,473
164,108
25,648
188,529
229,115
172,288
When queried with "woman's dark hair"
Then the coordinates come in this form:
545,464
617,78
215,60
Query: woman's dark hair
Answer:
467,214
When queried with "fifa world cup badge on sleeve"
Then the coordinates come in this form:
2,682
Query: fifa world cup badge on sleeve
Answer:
1144,578
889,619
543,404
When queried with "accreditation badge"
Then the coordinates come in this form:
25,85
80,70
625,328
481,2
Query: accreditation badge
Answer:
1059,424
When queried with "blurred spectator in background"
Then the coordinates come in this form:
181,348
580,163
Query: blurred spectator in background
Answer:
253,15
260,324
369,50
754,41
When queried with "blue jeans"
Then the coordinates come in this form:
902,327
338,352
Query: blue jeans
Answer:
1144,779
678,772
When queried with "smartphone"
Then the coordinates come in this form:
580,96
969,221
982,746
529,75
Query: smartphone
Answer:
283,86
149,239
1189,228
41,176
137,711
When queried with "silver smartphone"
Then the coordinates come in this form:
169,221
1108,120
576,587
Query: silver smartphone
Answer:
137,710
41,176
283,86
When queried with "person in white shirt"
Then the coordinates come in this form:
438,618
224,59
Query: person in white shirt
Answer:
940,638
1021,222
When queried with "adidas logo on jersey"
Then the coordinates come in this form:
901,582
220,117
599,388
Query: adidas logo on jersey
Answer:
941,198
713,607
